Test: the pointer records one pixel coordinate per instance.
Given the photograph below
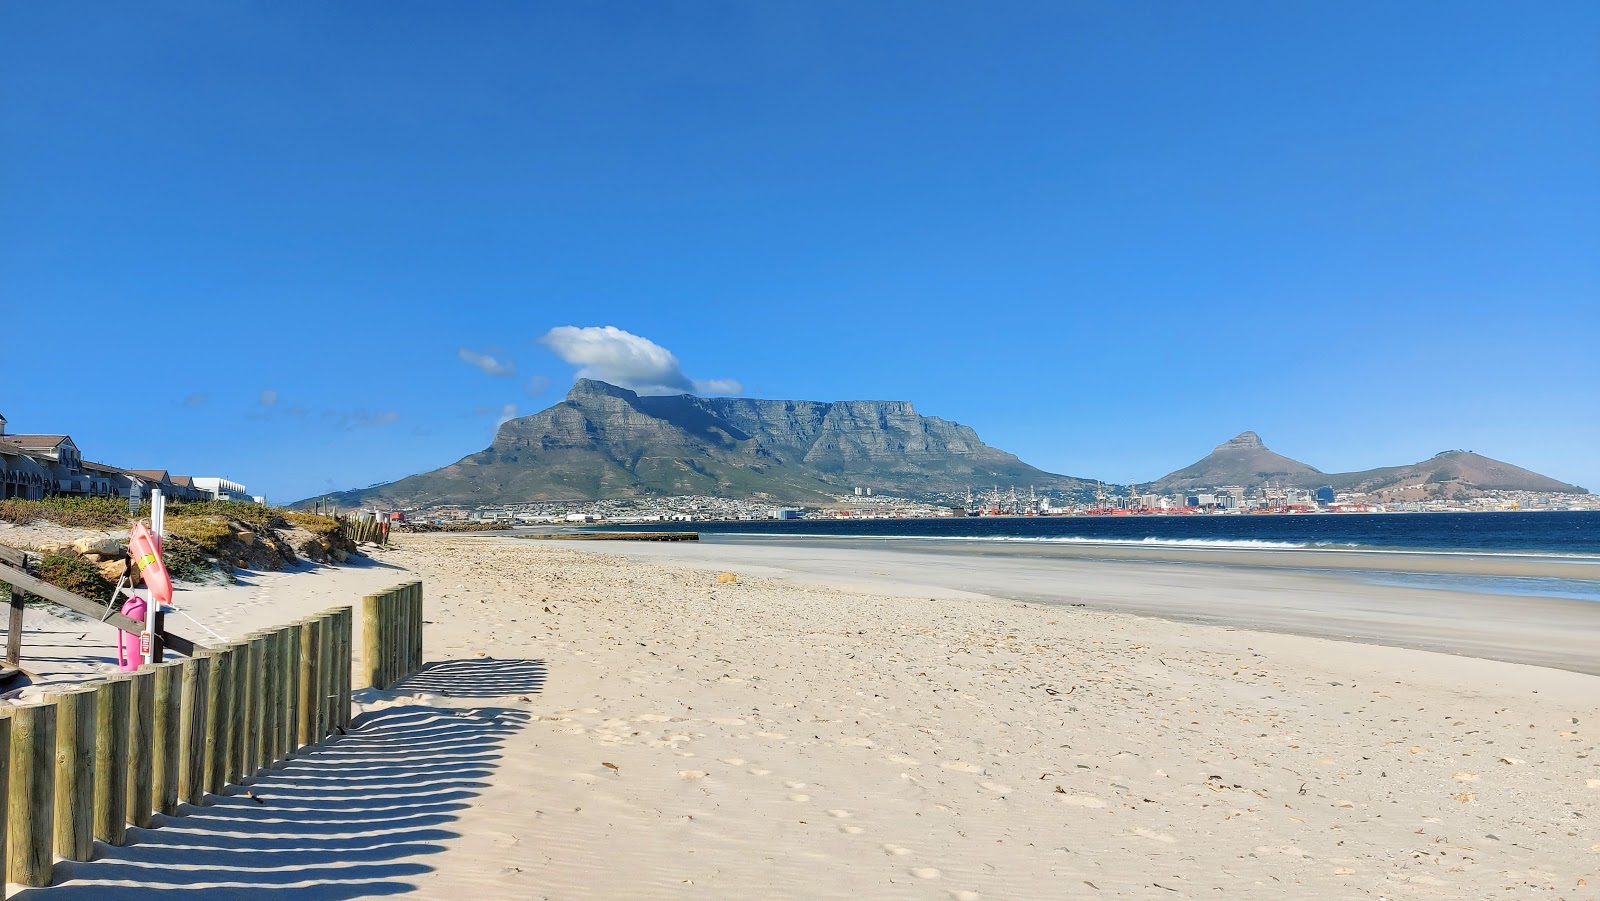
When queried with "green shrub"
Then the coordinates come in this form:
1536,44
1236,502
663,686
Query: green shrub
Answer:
76,575
255,514
209,533
316,524
74,512
185,560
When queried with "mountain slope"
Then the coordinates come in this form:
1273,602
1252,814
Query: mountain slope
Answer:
1245,460
1241,460
604,441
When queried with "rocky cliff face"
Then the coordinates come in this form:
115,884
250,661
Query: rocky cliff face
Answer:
605,441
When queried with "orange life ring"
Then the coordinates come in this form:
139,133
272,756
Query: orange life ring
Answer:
145,549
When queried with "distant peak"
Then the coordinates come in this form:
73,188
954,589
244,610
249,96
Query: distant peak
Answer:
1243,439
596,388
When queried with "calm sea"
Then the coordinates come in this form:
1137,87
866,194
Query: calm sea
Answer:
1557,533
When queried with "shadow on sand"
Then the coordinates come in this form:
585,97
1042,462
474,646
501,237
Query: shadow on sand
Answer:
346,820
481,678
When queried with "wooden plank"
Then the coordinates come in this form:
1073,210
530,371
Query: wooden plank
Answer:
97,611
15,598
166,729
112,702
141,746
75,759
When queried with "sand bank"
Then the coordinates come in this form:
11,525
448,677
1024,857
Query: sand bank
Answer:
606,727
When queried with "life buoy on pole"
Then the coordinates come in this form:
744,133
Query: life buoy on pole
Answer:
145,549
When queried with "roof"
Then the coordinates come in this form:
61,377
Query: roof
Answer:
36,440
102,467
149,475
183,481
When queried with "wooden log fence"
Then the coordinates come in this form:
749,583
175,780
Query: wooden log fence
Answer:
391,635
94,759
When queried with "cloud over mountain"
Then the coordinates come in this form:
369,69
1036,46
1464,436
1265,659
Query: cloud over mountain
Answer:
609,354
489,365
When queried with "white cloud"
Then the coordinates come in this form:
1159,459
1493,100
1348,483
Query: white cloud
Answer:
488,364
537,385
609,354
269,397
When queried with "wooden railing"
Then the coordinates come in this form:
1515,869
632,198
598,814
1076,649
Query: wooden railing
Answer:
391,634
91,760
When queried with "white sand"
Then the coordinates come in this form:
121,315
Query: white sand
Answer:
778,739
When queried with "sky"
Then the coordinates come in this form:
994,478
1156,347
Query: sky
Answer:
317,246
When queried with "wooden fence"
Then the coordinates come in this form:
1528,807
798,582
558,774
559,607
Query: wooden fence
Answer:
91,760
391,634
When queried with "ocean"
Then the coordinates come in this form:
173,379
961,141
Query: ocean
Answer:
1564,534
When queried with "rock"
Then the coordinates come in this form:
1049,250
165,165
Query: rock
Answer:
113,570
105,547
60,547
726,578
96,558
246,538
339,555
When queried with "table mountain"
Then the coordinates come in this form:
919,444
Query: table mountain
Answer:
603,441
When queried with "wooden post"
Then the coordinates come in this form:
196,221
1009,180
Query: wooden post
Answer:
16,599
239,722
254,718
372,641
192,731
404,656
167,729
5,785
75,736
346,661
112,714
219,719
30,813
417,630
158,643
327,681
271,699
141,746
392,652
310,652
291,691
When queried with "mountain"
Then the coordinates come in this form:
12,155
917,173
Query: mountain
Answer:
602,441
1245,460
1241,460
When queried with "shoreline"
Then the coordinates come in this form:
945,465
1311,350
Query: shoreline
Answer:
1283,592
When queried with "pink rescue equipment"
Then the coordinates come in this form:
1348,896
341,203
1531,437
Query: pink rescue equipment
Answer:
129,654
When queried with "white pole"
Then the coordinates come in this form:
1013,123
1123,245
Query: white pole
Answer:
158,517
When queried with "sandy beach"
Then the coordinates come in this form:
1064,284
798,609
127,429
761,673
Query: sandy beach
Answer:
601,724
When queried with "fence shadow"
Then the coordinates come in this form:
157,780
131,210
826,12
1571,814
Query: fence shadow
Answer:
483,677
346,820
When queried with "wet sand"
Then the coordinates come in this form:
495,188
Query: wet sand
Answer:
1320,594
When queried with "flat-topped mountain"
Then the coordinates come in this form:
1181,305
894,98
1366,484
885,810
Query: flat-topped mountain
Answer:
1245,460
602,441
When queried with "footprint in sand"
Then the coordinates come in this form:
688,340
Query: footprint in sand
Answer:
799,797
653,718
996,787
857,743
728,722
903,761
771,735
964,896
840,814
851,830
960,767
691,774
794,786
896,850
759,772
926,873
734,761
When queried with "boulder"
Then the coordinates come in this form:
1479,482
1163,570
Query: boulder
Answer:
60,547
112,570
105,547
340,555
246,538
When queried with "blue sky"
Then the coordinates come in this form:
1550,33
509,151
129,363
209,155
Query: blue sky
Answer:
315,246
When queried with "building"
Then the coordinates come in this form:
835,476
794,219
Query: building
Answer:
1325,495
222,489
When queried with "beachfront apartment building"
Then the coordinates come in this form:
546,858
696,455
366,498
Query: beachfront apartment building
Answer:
33,467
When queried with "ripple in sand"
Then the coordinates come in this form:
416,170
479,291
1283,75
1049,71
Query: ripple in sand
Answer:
926,873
